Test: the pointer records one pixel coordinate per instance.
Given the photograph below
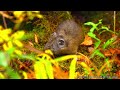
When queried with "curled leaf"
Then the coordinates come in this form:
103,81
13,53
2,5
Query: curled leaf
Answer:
72,68
18,43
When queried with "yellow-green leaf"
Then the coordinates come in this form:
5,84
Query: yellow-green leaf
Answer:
36,11
1,40
5,47
10,45
18,43
49,69
1,27
18,52
2,76
25,75
6,31
49,52
39,16
18,35
40,71
72,68
17,14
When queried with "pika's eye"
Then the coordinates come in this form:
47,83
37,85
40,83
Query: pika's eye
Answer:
61,42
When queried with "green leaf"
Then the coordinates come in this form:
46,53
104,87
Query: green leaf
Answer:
107,29
97,52
12,74
72,68
11,50
111,40
89,23
96,44
4,58
106,60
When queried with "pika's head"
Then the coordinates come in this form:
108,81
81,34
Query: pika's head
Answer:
66,39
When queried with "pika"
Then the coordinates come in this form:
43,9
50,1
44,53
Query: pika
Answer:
66,39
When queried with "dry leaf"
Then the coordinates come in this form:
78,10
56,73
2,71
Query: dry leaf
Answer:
59,73
111,51
90,49
118,74
30,43
36,38
87,41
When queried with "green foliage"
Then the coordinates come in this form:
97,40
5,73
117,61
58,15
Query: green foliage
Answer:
4,59
11,42
12,74
108,42
100,29
11,47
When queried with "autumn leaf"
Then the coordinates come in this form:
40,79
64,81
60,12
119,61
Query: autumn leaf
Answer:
36,38
87,41
59,73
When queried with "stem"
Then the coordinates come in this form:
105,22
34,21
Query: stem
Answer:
114,20
4,21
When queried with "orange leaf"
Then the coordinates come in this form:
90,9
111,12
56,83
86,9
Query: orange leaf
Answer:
59,73
87,41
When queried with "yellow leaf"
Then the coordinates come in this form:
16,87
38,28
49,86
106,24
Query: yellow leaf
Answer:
49,69
17,14
5,37
72,68
40,71
39,16
4,34
25,75
1,40
49,52
1,27
5,47
87,67
10,45
36,11
18,43
1,76
18,35
7,31
18,52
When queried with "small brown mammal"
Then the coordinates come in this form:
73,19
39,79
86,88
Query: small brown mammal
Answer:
66,39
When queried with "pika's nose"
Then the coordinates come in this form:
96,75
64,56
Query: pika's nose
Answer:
47,47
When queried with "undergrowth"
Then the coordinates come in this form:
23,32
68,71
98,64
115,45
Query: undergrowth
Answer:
19,64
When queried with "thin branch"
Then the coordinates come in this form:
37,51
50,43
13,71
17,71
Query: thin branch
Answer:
114,20
5,15
4,21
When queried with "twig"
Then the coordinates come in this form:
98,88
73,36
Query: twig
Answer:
114,19
19,62
5,15
4,21
98,74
